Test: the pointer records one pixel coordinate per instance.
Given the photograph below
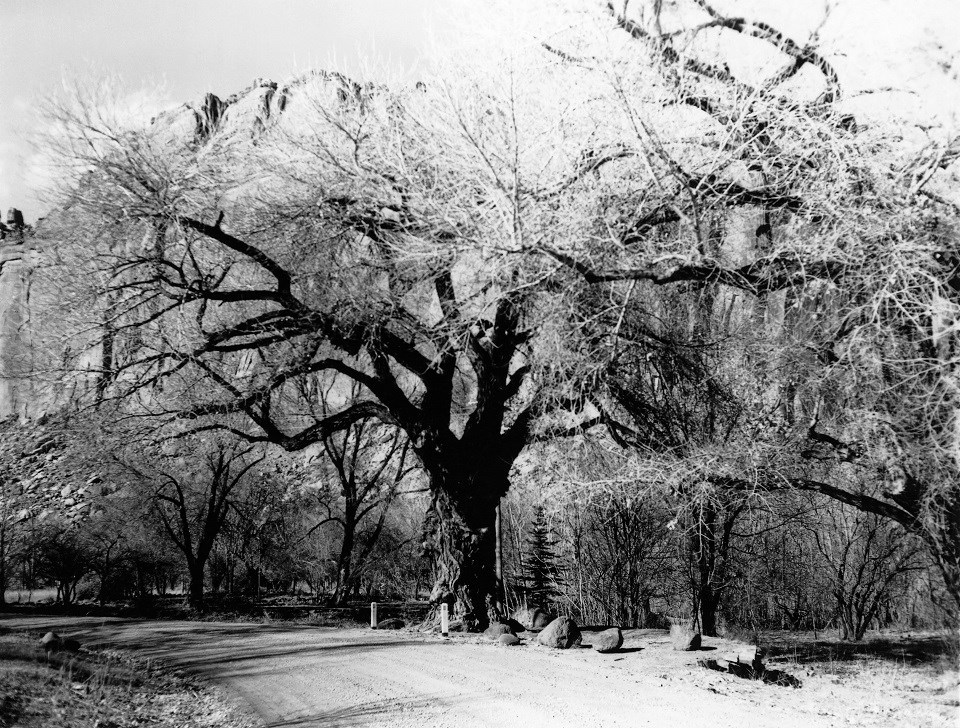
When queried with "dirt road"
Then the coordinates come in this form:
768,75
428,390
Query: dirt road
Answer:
295,676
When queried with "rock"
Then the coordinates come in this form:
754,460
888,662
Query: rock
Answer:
684,638
533,619
508,639
497,629
746,655
456,626
610,640
515,626
734,668
14,218
562,634
394,623
51,642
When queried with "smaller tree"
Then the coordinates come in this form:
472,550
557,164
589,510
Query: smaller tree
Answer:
363,468
64,558
866,556
192,506
540,576
621,556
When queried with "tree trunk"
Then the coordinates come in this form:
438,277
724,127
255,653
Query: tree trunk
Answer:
345,559
646,616
499,535
462,537
3,565
708,610
66,592
705,552
195,594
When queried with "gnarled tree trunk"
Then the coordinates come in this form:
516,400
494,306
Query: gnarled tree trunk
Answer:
461,537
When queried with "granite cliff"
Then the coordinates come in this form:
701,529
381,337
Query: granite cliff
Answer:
211,125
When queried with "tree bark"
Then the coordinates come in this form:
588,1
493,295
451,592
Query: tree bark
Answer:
709,604
3,564
195,594
463,539
711,544
345,559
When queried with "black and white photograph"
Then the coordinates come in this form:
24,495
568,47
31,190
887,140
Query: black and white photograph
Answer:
479,364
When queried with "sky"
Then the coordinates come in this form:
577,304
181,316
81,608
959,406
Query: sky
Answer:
187,47
177,50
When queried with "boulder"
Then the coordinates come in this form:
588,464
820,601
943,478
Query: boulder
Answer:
746,655
684,638
496,629
51,642
14,218
562,634
515,626
533,619
610,640
394,623
508,640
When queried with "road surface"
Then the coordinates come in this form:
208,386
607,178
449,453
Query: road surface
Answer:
299,677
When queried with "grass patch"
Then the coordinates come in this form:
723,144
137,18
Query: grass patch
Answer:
937,650
94,690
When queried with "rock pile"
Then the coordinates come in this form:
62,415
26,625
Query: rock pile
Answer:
532,620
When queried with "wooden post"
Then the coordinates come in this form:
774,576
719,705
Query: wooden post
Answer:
373,615
445,619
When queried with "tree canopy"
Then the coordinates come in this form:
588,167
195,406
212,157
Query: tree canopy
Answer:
607,229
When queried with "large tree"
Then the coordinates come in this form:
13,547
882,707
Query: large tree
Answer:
362,237
466,250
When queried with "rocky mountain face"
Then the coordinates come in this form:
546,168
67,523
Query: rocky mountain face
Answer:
209,126
17,259
242,117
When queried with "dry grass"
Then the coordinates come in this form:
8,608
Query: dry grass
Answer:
895,678
100,691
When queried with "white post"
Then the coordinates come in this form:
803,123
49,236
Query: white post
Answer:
445,619
373,615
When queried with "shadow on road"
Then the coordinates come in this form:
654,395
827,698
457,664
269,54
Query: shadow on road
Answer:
202,646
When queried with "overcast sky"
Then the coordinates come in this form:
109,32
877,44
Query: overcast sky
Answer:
188,46
194,46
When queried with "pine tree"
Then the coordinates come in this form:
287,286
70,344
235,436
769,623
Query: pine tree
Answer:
541,575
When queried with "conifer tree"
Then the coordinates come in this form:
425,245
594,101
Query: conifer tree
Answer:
541,576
